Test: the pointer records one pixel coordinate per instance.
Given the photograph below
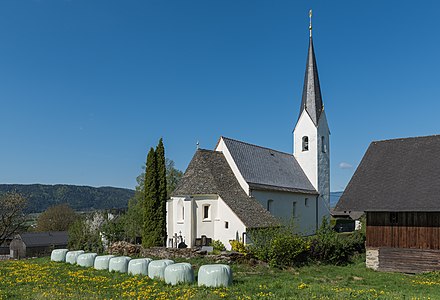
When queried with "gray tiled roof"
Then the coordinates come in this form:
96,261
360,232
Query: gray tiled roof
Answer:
33,239
268,169
311,97
209,173
396,175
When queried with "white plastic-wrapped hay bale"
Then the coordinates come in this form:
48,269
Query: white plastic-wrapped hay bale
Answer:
156,268
72,256
215,275
139,266
102,262
86,259
179,273
59,255
119,264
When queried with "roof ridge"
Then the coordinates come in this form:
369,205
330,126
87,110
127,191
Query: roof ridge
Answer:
406,138
258,146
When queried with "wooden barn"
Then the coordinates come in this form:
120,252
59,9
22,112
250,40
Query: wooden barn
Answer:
37,244
397,184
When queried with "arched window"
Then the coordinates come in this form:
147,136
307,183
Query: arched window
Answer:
270,205
180,211
323,145
293,209
305,143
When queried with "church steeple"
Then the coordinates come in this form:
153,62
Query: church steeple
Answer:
311,97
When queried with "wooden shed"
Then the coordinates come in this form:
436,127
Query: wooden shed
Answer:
397,184
37,244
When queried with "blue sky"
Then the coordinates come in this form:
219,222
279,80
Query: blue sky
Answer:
86,87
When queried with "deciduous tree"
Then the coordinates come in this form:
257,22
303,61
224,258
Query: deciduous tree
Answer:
56,218
11,214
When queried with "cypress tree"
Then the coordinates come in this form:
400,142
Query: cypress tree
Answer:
162,191
150,233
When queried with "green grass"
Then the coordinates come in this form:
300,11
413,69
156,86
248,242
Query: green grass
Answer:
42,279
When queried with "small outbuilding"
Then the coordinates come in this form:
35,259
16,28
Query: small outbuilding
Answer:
36,244
397,184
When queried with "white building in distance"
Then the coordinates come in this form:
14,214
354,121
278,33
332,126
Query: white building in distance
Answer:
237,187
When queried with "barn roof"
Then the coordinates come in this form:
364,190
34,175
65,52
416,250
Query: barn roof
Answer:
268,169
209,173
34,239
396,175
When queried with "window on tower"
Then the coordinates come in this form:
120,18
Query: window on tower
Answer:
323,145
305,143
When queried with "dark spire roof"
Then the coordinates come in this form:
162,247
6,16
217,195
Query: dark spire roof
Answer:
311,97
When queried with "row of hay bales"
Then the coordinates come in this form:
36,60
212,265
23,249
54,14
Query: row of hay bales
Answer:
164,269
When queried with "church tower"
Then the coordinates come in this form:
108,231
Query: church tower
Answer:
311,134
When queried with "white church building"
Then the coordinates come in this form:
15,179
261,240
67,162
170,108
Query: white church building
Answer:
237,187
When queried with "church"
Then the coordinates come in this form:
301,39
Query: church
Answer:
227,192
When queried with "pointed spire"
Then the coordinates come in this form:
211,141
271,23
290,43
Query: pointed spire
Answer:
311,97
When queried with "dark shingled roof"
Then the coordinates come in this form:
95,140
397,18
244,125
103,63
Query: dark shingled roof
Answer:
35,239
311,97
209,173
268,169
396,175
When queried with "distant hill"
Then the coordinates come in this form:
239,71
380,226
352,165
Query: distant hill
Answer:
80,198
334,198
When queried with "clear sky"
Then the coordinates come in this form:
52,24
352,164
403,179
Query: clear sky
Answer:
86,87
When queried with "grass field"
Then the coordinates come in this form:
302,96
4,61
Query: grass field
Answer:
42,279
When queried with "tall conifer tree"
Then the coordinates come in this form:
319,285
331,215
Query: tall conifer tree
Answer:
162,190
151,233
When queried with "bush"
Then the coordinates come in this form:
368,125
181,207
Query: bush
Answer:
218,245
239,247
330,247
287,250
279,246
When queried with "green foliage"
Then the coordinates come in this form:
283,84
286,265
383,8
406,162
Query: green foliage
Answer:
56,218
82,236
133,220
279,246
12,217
239,247
162,191
218,245
173,177
80,198
330,247
287,250
151,234
113,230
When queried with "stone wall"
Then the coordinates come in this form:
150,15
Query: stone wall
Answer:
372,258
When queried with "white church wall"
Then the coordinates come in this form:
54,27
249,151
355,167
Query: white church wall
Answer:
282,208
324,167
307,159
235,228
222,148
176,223
205,226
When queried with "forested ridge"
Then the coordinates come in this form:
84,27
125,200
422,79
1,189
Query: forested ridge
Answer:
80,198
